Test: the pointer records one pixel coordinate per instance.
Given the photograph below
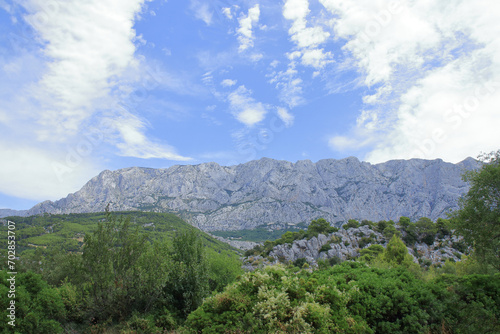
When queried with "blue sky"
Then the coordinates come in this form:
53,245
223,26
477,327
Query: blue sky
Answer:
93,85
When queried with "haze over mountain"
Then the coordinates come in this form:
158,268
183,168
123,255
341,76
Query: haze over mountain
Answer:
273,192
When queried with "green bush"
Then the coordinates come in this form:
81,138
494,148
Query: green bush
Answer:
325,248
351,298
299,262
276,300
319,226
365,241
38,307
351,223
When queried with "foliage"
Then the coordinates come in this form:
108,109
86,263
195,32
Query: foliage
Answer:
443,227
126,273
426,230
325,248
478,218
396,253
389,231
275,300
370,253
350,298
367,222
66,232
365,241
319,226
472,302
351,223
38,308
188,284
404,222
109,267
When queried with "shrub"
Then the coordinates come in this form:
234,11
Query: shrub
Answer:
325,248
336,239
365,241
299,262
334,260
351,223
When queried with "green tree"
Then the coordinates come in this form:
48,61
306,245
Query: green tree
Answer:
404,222
34,305
396,253
443,227
370,253
411,236
426,230
478,219
351,223
389,231
188,283
109,270
319,226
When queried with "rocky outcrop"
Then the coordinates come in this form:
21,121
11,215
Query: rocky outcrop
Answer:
346,244
276,193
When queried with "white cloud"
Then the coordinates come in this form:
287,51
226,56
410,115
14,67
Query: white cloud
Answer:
227,11
316,58
228,82
87,47
307,39
135,144
245,108
255,57
245,35
286,117
166,51
289,84
202,11
81,64
434,72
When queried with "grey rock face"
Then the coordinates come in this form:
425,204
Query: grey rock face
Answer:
10,212
266,191
345,245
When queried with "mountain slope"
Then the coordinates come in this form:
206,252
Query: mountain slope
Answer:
267,191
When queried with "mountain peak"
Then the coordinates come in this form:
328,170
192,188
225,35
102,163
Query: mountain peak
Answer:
276,192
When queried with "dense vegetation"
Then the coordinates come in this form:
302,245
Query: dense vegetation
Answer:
67,231
351,298
109,273
121,275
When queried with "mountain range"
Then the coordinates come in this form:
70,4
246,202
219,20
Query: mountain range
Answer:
275,193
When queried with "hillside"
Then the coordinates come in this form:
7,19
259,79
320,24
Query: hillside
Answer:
276,193
68,230
428,243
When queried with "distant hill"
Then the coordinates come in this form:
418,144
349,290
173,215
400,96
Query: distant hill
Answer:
68,230
276,193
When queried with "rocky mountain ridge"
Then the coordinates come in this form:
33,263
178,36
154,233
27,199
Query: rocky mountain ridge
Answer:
276,193
10,212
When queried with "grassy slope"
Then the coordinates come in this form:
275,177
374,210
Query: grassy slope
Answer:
68,230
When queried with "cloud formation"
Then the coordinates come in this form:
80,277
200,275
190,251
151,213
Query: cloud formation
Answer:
245,35
71,78
434,75
307,39
286,117
245,108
